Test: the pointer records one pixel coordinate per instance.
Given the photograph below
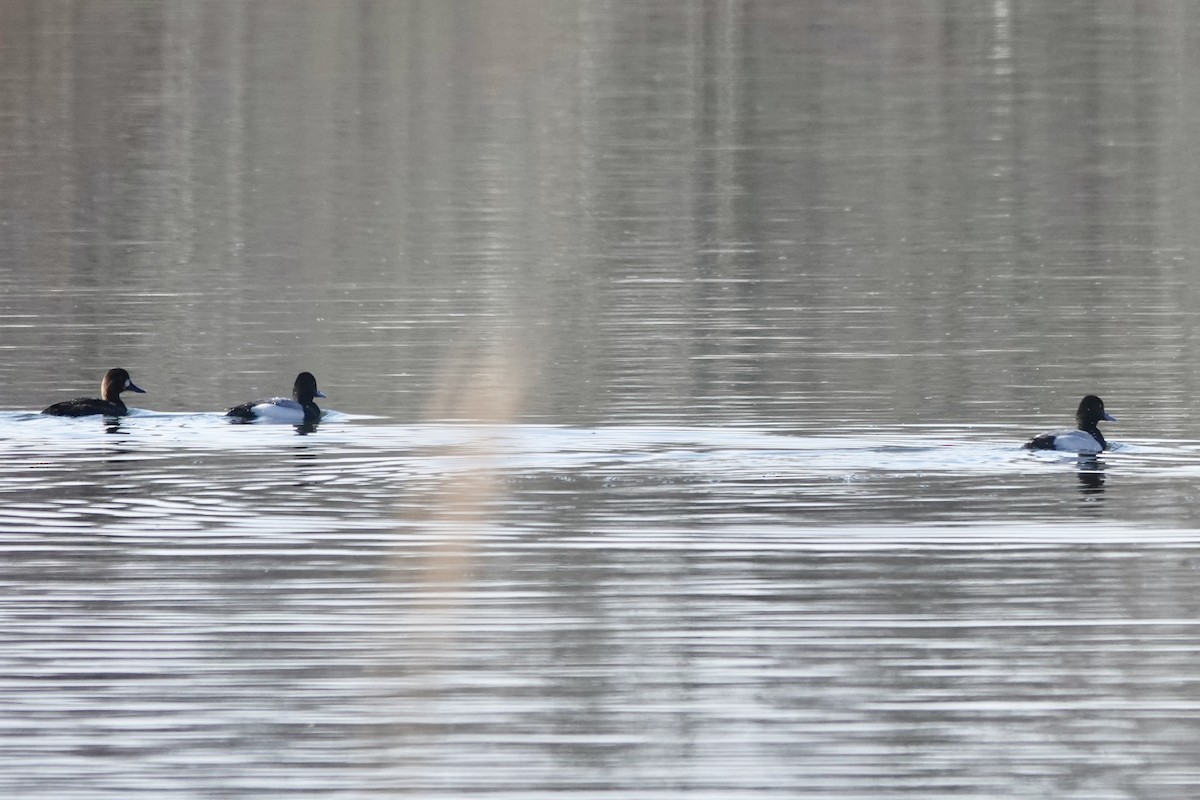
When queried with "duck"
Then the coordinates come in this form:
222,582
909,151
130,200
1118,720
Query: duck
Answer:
109,402
299,410
1087,439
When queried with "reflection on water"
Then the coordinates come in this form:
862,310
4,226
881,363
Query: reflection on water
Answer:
1091,475
684,353
775,213
501,608
555,476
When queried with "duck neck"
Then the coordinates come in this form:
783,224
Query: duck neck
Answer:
1094,430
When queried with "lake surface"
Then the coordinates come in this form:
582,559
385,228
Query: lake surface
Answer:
678,358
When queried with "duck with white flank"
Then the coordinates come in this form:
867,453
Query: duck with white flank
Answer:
1087,439
299,410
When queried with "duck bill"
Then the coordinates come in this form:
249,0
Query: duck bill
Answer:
132,387
320,394
1109,417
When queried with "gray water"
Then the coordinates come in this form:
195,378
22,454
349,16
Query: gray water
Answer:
678,358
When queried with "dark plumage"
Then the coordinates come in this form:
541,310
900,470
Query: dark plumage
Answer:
299,410
108,403
1087,439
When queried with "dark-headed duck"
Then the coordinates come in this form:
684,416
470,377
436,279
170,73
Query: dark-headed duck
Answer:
108,403
1087,439
299,410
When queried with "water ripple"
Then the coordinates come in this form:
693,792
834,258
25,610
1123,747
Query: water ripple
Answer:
189,472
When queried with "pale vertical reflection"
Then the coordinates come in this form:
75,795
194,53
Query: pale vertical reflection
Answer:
480,378
1001,111
727,48
180,90
483,385
1179,174
1002,47
204,80
49,137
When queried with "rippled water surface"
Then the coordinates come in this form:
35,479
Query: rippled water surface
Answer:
678,360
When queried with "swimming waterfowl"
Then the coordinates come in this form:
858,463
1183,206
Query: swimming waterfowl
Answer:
1087,439
109,402
299,410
